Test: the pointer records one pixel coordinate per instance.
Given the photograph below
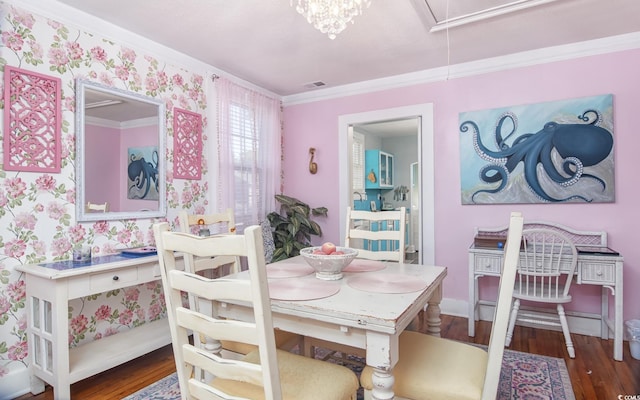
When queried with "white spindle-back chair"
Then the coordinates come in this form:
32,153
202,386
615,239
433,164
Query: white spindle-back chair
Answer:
547,264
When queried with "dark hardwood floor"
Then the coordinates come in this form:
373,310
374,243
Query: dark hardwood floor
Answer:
594,374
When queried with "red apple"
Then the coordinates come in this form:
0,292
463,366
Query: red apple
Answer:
317,252
337,253
328,248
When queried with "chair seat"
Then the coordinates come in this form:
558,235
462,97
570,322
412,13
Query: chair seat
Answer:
284,340
302,378
457,370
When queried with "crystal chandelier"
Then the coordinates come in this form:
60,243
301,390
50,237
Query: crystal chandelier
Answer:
330,16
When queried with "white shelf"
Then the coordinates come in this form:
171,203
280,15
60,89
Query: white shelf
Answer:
100,355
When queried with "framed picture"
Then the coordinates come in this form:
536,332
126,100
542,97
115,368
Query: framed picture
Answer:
553,152
373,206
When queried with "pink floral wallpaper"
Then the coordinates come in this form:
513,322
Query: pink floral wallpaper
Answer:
37,209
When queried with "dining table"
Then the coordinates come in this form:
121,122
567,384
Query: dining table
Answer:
367,308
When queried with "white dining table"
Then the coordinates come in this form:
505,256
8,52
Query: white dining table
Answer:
367,310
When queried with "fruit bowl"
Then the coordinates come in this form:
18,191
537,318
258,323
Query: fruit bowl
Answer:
328,267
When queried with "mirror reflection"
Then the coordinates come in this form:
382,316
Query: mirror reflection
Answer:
120,146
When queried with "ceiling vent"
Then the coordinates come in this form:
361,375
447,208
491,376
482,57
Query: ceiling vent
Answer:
314,85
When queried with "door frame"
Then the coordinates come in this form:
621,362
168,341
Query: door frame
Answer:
424,111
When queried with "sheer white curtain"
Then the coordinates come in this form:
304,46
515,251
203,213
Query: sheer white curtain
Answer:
249,152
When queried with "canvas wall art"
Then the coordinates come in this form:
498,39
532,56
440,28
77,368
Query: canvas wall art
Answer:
553,152
142,173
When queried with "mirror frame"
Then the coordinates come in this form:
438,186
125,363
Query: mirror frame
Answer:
81,215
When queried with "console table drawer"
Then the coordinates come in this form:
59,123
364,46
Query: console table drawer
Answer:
111,280
487,264
597,273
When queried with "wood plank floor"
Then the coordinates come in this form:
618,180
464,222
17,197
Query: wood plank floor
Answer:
594,373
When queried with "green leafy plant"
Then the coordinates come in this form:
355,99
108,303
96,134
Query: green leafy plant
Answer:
293,226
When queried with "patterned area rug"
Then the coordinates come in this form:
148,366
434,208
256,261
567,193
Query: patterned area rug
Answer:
523,376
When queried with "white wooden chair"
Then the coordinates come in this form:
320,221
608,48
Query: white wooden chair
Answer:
377,235
215,267
265,372
547,263
434,368
94,207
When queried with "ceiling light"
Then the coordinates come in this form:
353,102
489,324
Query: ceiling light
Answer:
330,16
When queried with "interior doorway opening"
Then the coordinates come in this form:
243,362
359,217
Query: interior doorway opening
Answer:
419,177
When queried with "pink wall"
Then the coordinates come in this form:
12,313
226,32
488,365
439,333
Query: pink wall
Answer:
316,125
101,146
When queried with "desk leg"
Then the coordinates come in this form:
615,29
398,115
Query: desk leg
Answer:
433,313
618,329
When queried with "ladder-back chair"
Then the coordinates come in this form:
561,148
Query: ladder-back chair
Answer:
430,367
263,373
215,267
377,235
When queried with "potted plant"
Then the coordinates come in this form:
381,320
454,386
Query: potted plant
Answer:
293,226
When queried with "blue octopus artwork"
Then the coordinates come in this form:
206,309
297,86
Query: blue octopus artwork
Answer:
143,173
567,158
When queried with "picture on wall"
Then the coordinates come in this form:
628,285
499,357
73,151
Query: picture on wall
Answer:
142,171
553,152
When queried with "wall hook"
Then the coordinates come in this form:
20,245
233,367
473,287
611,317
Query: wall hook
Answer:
313,167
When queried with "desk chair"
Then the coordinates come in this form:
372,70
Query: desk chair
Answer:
263,373
214,267
548,262
377,235
434,368
93,207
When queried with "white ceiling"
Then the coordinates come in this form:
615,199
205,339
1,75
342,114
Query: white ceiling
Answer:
267,43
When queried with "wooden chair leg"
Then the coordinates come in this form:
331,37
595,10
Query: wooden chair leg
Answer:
565,330
512,322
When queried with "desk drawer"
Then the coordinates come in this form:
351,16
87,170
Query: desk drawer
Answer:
113,279
487,264
597,274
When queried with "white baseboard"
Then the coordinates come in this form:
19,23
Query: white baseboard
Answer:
579,323
15,384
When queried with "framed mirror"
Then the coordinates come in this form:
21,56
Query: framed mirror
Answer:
120,154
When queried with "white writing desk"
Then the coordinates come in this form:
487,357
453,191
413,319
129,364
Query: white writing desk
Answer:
357,318
593,269
49,288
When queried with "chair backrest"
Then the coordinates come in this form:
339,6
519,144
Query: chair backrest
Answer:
503,306
547,263
377,235
93,207
222,223
183,321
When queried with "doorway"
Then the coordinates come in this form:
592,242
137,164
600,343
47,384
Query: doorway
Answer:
424,226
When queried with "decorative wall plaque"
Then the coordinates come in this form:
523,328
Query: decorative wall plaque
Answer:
187,144
32,120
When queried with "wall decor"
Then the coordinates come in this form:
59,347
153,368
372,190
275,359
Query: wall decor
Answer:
142,171
32,120
187,144
553,152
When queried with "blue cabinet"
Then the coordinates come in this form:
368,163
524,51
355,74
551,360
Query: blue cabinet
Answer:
378,170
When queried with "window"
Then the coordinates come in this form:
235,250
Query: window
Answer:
358,163
249,149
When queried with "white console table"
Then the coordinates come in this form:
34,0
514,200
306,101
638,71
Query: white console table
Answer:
595,267
49,288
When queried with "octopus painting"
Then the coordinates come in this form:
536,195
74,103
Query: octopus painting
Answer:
567,159
143,174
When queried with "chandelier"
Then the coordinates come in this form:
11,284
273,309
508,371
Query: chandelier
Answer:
330,16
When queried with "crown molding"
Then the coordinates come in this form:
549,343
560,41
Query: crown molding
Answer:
611,44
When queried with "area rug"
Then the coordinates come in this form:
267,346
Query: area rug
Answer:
523,376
